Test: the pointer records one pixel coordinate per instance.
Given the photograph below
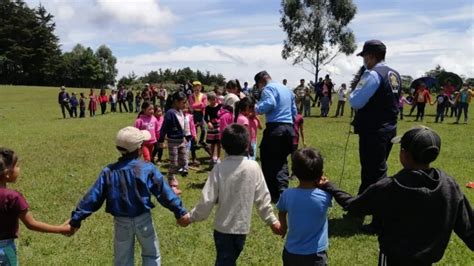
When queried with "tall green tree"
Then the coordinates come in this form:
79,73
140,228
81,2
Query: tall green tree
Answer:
107,65
29,49
317,31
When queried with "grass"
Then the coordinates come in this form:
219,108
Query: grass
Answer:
61,158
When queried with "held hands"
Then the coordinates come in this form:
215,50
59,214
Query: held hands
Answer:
209,125
66,229
278,229
184,221
322,182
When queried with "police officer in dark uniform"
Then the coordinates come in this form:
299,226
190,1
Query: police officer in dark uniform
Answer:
375,100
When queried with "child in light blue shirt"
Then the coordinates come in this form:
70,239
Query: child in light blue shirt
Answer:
304,209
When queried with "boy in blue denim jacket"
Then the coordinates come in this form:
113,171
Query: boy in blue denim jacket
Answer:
127,187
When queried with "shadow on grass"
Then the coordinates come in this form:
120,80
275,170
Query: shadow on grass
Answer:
343,227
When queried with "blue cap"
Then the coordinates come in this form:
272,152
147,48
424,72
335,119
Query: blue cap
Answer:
372,46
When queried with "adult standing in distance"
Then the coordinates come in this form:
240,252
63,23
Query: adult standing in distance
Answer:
63,100
278,104
376,100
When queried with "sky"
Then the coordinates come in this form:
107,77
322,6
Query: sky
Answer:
240,38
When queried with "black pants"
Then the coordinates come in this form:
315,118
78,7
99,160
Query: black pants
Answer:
391,261
340,108
276,145
228,248
130,106
73,111
82,112
412,108
400,111
122,103
420,110
64,107
462,107
103,108
374,149
157,151
113,107
316,259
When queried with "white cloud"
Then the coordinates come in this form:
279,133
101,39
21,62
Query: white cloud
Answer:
142,12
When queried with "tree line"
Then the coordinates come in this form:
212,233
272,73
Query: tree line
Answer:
30,54
168,75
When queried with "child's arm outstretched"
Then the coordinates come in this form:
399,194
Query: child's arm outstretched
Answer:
263,203
166,197
209,197
31,223
362,204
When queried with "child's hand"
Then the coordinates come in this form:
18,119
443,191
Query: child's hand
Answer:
276,228
67,229
184,221
323,181
161,145
209,125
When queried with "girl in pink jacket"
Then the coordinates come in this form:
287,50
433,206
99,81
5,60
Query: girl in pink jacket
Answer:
147,121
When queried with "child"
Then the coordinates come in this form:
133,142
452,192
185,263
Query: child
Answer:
74,103
401,103
325,104
191,140
254,126
173,128
463,99
13,207
243,109
442,101
103,99
138,101
299,130
341,94
147,121
212,120
235,185
127,187
422,96
157,150
307,208
226,114
92,103
82,105
113,101
419,206
307,100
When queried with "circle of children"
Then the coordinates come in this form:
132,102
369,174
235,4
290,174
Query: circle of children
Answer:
236,183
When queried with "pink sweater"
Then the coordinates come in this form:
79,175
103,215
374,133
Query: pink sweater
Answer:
192,126
226,118
195,105
149,123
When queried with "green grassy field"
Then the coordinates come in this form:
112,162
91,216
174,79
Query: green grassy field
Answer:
61,158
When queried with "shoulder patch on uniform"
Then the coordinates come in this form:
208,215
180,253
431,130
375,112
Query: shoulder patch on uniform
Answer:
394,81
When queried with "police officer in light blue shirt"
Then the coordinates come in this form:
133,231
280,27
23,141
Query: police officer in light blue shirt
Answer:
278,104
375,100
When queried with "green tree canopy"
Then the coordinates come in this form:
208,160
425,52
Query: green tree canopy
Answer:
317,31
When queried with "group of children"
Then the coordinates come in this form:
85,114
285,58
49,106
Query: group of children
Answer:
123,98
420,206
456,101
182,118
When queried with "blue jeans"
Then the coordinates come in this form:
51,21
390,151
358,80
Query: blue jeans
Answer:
126,229
8,253
228,248
254,147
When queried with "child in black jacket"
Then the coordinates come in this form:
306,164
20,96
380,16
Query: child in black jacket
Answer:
419,206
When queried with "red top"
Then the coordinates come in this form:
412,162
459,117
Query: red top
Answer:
12,204
103,98
296,126
422,96
448,90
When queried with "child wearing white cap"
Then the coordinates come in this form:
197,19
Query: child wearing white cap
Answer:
127,187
